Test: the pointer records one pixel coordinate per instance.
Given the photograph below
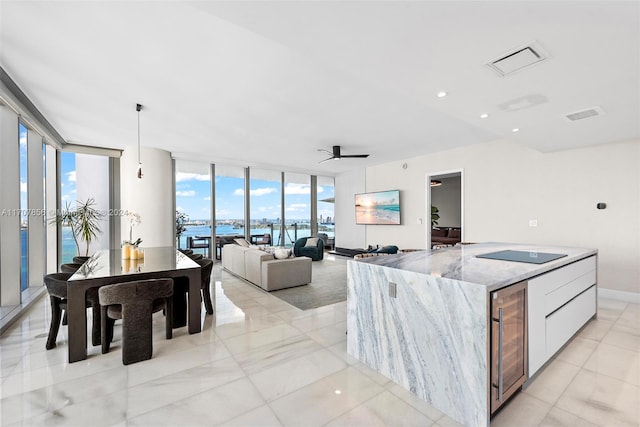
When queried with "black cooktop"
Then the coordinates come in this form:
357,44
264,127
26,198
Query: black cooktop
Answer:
522,256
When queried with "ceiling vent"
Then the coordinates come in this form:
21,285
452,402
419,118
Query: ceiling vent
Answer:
584,114
518,59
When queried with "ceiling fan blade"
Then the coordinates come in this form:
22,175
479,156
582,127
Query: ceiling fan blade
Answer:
326,160
325,151
355,156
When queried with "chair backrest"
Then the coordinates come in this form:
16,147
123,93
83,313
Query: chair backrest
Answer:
56,284
266,239
206,266
138,291
71,267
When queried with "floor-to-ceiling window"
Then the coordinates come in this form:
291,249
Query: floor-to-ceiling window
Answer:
326,205
84,178
265,204
68,200
193,200
297,202
280,204
23,213
24,209
229,200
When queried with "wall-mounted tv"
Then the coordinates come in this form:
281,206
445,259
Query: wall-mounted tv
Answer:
381,207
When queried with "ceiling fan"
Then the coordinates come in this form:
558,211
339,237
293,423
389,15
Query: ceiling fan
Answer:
335,154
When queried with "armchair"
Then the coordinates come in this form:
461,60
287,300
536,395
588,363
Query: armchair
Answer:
312,247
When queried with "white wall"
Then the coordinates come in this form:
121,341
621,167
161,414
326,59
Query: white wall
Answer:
9,199
347,233
151,197
446,198
51,192
506,185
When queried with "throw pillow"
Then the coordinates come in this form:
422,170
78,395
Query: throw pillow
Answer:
312,241
282,253
242,242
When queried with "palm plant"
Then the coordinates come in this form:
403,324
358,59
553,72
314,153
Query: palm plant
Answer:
84,221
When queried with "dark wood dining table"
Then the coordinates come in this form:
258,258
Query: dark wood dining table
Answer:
107,267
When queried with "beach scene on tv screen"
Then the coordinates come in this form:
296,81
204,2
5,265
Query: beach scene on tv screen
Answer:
378,208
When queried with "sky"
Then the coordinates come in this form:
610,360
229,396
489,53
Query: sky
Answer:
68,181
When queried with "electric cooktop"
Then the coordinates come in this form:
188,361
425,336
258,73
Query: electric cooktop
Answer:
522,256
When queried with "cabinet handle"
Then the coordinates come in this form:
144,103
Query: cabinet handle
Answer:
500,349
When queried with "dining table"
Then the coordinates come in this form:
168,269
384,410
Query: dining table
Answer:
108,267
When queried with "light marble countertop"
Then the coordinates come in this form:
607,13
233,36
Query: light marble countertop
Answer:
462,264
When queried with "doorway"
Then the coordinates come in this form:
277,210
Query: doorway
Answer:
445,207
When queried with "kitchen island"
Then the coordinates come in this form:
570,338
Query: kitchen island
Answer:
424,320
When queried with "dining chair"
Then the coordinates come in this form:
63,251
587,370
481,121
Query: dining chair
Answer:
134,303
206,265
181,288
56,284
196,257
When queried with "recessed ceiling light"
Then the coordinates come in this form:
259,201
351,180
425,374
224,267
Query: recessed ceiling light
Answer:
484,115
338,392
515,130
442,94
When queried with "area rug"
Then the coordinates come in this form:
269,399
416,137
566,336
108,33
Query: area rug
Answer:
328,285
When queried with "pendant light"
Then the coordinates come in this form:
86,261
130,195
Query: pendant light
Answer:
138,108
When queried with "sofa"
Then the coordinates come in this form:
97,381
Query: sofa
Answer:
445,236
263,270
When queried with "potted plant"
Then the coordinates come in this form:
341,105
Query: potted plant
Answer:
83,220
434,215
181,219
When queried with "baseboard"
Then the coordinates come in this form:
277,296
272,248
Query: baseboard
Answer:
632,297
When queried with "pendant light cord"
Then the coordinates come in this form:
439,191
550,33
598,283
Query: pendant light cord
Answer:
138,108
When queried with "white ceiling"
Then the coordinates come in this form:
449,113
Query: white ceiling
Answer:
267,83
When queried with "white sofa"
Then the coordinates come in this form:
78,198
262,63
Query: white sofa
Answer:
262,269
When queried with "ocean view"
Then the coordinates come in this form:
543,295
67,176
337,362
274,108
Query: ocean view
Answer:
69,247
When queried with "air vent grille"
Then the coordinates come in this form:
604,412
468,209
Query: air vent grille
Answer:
518,59
584,114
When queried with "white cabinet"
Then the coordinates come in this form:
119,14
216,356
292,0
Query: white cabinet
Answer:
560,302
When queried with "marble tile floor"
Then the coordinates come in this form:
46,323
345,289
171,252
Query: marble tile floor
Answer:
262,362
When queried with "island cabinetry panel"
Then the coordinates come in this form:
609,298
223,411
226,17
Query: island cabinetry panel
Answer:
560,302
565,322
430,336
508,342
